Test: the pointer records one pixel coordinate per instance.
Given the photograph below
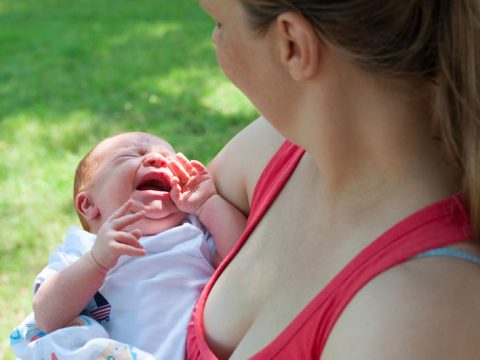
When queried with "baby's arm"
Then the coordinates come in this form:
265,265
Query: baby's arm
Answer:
64,295
194,192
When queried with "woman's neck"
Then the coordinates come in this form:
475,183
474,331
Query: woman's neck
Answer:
371,140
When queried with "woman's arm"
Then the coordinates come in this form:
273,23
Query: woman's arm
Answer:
240,163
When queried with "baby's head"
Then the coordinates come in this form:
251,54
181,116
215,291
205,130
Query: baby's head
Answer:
127,166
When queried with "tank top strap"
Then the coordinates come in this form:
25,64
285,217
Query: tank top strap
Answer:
273,178
269,185
438,225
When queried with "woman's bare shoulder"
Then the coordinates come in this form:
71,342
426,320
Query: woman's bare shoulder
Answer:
239,164
423,309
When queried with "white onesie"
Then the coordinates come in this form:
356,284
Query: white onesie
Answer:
145,302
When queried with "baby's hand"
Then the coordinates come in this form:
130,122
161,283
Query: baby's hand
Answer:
113,241
192,185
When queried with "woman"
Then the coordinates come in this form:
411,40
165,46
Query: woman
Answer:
383,95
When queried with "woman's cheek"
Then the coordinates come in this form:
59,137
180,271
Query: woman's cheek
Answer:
229,64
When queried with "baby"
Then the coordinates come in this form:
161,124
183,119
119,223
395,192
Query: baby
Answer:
140,276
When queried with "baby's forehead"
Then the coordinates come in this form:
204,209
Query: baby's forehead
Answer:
137,140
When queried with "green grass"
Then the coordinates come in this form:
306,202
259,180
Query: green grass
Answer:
73,72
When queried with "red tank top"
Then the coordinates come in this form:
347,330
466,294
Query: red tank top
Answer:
437,225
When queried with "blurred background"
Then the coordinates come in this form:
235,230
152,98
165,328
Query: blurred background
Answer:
74,72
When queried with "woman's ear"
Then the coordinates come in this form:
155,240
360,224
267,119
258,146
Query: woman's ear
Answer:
85,206
301,46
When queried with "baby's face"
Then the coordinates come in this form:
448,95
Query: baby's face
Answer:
134,166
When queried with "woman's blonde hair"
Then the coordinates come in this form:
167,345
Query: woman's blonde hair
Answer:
433,40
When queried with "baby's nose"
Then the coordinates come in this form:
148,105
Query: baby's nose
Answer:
155,159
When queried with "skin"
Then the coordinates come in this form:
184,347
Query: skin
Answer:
370,162
131,157
120,209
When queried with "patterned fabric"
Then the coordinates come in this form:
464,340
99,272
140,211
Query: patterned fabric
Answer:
144,303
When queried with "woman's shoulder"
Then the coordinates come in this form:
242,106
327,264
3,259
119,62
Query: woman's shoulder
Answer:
423,309
240,163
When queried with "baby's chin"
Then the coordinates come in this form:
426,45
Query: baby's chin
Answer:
149,226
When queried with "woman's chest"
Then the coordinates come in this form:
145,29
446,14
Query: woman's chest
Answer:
285,262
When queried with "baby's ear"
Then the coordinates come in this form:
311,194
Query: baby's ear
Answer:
85,206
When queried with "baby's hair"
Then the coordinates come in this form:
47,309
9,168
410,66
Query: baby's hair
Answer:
83,179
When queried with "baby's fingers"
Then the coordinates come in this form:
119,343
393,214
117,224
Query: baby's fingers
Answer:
201,169
137,233
122,210
124,221
179,171
124,249
128,244
186,163
176,189
123,237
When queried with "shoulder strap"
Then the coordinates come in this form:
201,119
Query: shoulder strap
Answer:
271,182
269,185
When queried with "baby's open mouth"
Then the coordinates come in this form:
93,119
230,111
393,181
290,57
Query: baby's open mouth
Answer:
156,182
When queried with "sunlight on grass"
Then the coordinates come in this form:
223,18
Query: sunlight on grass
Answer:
188,81
215,93
40,162
154,31
226,99
158,30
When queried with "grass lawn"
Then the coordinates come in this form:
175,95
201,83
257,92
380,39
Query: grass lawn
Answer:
73,72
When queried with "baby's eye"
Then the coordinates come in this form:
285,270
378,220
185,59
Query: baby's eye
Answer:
129,155
141,152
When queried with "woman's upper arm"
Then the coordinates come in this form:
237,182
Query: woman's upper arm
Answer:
239,164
